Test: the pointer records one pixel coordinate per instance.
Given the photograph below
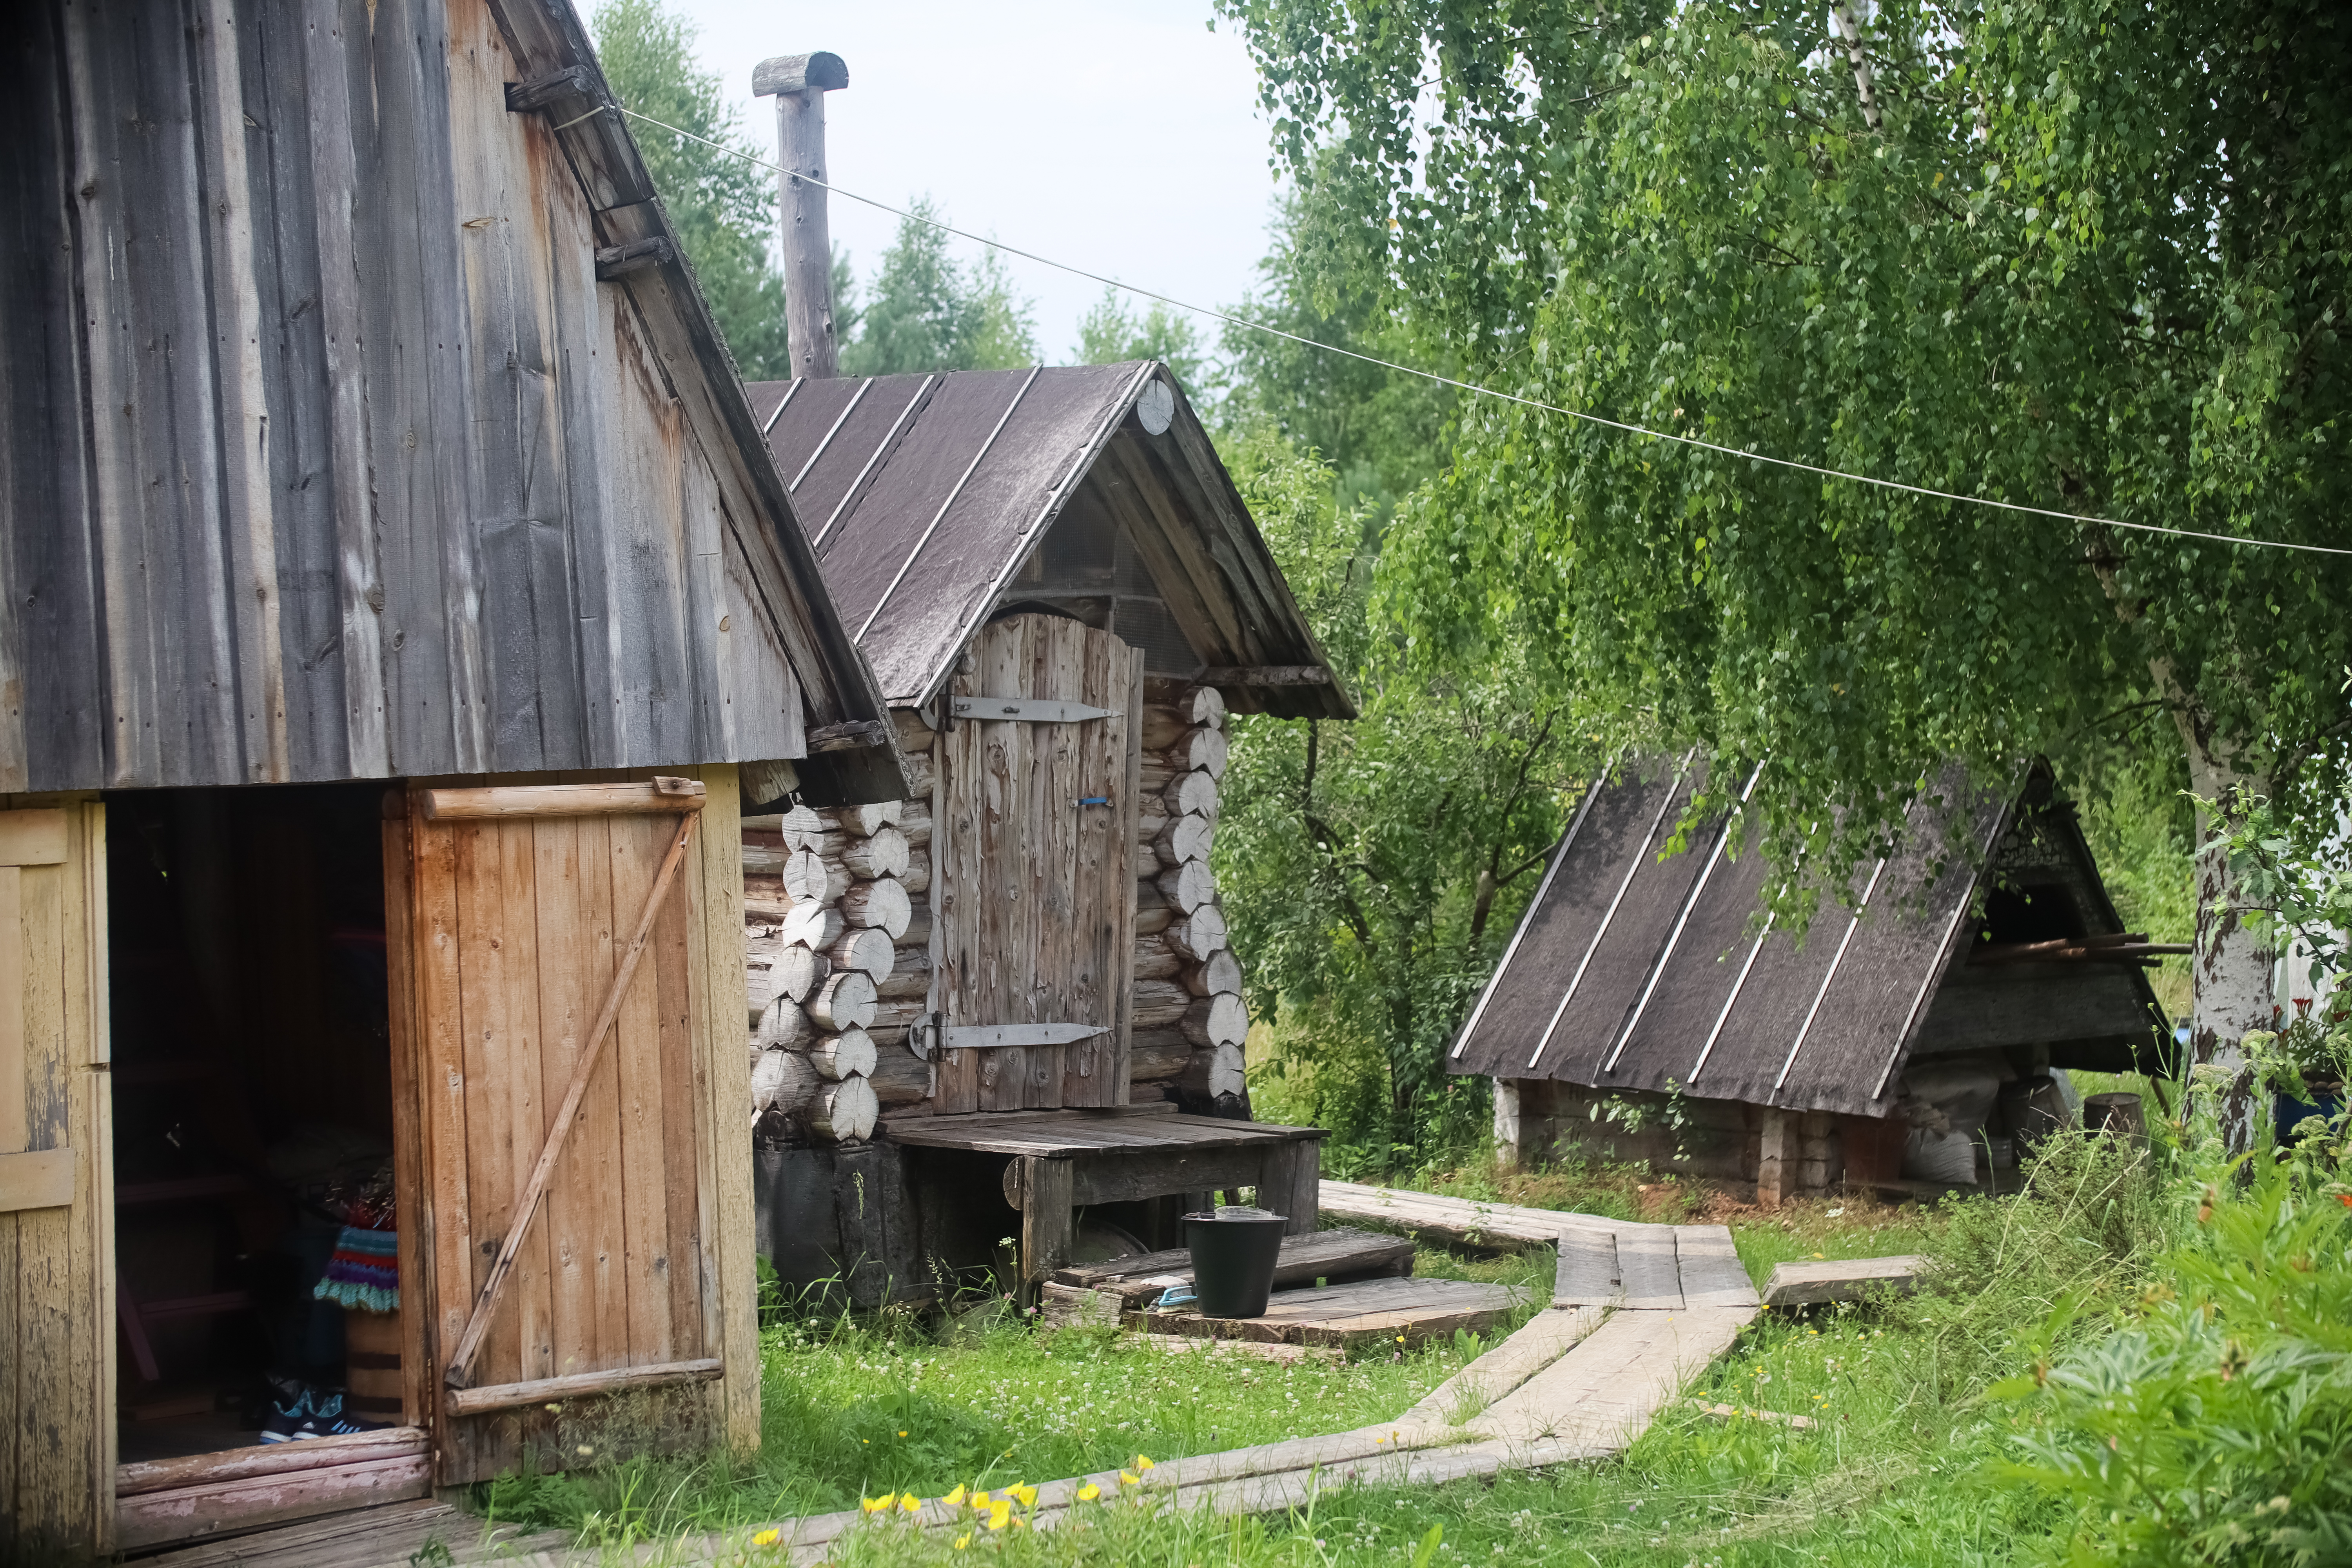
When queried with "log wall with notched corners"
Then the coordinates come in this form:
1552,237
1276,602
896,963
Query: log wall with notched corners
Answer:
1189,1019
832,894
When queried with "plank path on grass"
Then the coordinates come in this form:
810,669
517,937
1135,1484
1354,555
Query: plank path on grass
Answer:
1639,1310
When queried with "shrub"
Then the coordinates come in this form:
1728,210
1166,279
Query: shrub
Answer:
2214,1424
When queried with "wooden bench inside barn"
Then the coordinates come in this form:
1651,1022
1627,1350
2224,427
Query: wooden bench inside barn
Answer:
1063,1161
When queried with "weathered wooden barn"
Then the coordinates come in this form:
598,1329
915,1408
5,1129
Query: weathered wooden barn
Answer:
1063,593
397,584
1646,1006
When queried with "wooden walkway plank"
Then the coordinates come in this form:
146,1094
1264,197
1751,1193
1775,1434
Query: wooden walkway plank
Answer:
1490,1227
1605,1390
1712,1274
1848,1279
1541,1341
1587,1275
1646,1260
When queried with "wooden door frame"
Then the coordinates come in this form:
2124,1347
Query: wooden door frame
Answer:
49,1480
726,1237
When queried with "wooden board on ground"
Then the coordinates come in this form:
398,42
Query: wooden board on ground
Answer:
1848,1279
1458,1222
1659,1268
1334,1256
1712,1274
1605,1390
1410,1309
1540,1342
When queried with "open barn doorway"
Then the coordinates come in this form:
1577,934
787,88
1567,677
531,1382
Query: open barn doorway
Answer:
256,1301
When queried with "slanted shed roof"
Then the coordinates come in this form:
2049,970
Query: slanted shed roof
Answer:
1630,972
363,418
924,496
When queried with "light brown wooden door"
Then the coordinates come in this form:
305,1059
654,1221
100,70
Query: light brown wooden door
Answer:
1037,875
620,1324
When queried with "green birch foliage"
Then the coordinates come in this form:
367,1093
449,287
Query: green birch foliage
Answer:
724,207
1373,869
2094,257
1111,332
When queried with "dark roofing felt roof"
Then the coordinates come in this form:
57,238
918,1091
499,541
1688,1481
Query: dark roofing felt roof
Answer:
923,494
1630,972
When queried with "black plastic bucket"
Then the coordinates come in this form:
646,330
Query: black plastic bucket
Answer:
1233,1254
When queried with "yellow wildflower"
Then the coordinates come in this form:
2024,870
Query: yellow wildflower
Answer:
963,1540
908,1502
1024,1492
1141,1463
1131,1478
878,1504
767,1538
955,1497
999,1514
1089,1492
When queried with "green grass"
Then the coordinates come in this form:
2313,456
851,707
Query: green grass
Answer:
854,1406
1902,1468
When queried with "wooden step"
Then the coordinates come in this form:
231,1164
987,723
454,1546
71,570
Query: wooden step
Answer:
1331,1255
1407,1310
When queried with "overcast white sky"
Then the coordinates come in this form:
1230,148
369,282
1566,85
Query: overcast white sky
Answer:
1119,135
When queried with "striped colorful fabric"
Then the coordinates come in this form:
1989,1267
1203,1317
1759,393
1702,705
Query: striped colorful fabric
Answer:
364,1272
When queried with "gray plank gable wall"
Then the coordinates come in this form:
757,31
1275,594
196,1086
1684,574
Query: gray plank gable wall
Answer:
327,455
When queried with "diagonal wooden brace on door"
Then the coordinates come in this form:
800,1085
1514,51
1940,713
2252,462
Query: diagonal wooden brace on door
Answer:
477,1327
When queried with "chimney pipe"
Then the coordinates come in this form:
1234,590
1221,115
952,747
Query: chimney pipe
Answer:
800,83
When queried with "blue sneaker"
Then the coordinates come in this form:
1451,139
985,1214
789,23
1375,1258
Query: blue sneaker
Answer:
325,1419
286,1421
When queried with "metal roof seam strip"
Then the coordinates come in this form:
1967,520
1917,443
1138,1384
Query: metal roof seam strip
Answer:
969,468
1081,461
1682,921
1610,914
1737,985
1558,859
1943,956
1837,959
790,393
846,410
888,437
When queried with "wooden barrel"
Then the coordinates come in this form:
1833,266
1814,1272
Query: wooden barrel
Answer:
371,1366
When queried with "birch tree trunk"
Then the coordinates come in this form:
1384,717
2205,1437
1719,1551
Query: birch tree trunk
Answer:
2232,990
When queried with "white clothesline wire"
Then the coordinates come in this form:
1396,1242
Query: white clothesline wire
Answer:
1478,390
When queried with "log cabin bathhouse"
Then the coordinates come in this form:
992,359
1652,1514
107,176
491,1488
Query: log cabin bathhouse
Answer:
969,998
1911,1036
1011,987
397,584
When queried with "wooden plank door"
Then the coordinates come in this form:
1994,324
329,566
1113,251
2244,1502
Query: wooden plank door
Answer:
56,1186
627,1321
1037,894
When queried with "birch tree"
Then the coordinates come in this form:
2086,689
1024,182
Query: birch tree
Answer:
2080,254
